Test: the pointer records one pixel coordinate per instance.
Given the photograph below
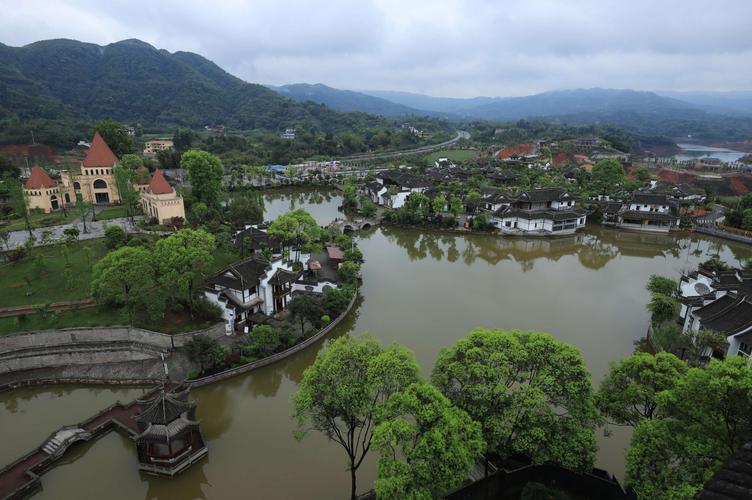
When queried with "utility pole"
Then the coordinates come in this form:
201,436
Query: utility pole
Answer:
32,137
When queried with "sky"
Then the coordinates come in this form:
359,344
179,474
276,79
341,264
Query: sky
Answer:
443,48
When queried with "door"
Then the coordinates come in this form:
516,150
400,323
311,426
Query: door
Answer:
102,198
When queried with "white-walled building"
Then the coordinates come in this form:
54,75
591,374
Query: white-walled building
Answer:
720,301
645,212
392,188
538,212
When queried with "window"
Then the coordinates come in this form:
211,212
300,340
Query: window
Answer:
744,348
100,184
77,186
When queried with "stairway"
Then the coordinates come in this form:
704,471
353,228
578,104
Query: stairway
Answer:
58,443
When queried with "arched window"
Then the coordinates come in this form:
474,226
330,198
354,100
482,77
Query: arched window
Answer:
100,184
77,186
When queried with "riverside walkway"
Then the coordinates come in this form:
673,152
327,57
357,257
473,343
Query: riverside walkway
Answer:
22,477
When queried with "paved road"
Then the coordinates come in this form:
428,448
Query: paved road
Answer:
95,230
461,134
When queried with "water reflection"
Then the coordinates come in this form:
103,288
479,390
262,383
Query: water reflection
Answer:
321,204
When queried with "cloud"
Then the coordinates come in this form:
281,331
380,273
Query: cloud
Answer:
456,48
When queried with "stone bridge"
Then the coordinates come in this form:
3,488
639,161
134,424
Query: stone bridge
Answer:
355,224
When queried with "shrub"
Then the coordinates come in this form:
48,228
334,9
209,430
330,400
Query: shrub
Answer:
206,311
325,319
17,254
115,237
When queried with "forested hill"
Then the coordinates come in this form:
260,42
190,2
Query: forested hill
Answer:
131,81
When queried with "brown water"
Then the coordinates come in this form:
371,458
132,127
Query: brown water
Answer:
423,290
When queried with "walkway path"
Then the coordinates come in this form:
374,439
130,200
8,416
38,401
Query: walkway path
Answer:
95,230
6,312
20,478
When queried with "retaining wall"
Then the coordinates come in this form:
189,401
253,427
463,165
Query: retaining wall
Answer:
724,234
238,370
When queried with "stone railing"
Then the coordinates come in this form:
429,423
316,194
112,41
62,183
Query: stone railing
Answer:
238,370
77,336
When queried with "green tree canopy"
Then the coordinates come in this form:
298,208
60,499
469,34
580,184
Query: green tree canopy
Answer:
530,392
704,419
263,340
304,308
427,446
181,258
608,177
205,351
297,228
629,392
343,389
115,135
124,277
205,173
115,236
662,284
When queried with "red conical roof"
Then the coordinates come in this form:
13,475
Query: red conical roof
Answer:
39,179
158,184
100,154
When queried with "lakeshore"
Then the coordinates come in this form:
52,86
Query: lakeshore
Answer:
422,279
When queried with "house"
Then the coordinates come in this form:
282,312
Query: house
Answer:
645,211
255,239
518,153
152,148
539,212
334,253
289,133
259,285
95,183
492,199
720,301
443,163
392,187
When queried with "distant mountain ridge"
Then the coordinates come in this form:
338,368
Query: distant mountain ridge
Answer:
347,100
132,81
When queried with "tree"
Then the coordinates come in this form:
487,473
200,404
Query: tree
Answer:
246,207
530,392
115,135
295,228
206,351
349,272
336,300
181,259
629,392
350,194
473,201
439,204
663,307
205,173
662,285
643,174
263,340
19,202
367,207
704,419
129,197
131,162
124,277
115,236
607,177
182,139
455,206
83,208
304,308
343,389
427,446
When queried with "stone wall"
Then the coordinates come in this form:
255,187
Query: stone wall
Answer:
93,355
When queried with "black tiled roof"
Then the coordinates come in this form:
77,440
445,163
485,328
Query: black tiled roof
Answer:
244,274
650,199
545,194
644,215
733,481
735,317
403,179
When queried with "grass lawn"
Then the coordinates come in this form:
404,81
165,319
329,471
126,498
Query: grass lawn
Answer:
454,155
25,282
40,220
729,201
112,213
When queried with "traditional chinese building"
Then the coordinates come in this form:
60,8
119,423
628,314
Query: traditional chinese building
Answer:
170,439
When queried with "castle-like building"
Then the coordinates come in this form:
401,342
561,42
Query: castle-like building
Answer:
95,183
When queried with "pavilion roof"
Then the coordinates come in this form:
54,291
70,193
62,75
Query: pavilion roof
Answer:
158,184
38,179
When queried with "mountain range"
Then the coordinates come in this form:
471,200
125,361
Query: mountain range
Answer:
132,81
67,81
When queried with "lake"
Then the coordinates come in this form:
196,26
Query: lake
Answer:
697,151
422,289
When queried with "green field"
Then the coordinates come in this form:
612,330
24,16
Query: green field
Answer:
41,277
46,276
40,220
454,155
